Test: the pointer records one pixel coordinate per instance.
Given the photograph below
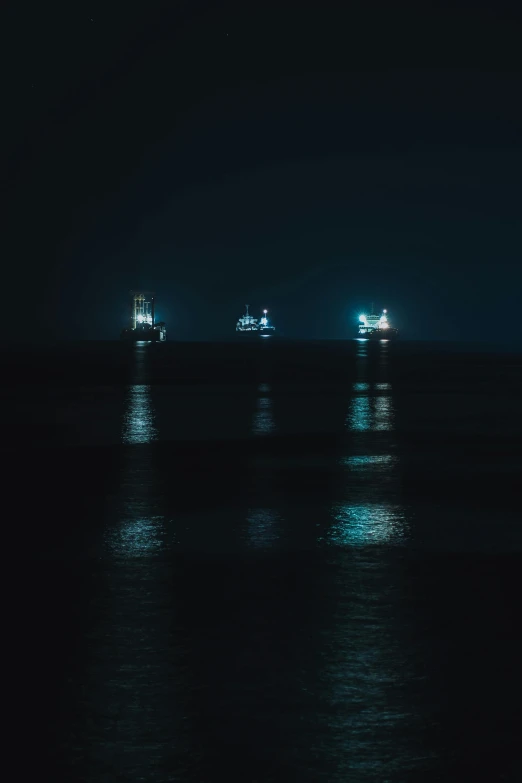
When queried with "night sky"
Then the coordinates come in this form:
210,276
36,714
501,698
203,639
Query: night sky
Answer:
308,158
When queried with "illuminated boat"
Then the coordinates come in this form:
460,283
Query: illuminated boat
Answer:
376,327
143,325
248,325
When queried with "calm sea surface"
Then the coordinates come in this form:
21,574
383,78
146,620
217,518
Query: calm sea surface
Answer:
264,562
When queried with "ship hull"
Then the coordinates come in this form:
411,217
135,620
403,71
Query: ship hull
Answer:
138,336
256,334
380,334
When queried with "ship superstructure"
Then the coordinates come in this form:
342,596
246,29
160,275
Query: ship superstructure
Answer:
261,326
376,326
143,324
265,327
247,322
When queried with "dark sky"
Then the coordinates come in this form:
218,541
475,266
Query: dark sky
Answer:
309,158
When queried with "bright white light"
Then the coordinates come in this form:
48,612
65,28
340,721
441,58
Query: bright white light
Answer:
385,311
140,319
362,318
265,311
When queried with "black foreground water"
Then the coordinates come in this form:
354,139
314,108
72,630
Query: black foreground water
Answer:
264,562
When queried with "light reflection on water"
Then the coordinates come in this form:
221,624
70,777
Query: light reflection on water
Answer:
138,418
263,420
370,411
364,524
371,514
380,462
376,721
262,527
136,537
138,528
262,523
366,663
132,691
359,414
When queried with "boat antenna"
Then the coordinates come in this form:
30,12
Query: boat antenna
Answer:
247,306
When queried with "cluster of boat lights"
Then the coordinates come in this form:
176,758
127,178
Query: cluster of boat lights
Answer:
383,320
382,323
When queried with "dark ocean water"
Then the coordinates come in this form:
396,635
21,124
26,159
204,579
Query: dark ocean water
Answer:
264,562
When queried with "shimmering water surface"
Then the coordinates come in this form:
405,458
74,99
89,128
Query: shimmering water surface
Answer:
267,562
